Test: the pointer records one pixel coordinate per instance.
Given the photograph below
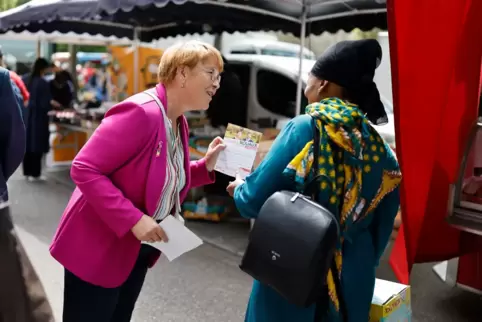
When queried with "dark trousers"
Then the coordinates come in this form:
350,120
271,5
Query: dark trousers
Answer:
85,302
32,164
22,297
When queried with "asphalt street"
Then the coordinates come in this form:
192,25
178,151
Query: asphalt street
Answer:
205,284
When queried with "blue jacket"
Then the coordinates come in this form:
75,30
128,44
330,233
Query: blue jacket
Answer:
12,132
360,255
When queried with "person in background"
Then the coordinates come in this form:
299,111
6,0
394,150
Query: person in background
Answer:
359,184
22,297
87,72
17,80
37,120
12,132
61,90
132,173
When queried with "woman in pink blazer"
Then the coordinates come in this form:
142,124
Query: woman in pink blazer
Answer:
133,172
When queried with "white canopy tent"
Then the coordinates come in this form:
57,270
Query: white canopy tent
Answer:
67,38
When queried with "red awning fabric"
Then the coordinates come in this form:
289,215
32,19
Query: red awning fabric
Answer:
436,51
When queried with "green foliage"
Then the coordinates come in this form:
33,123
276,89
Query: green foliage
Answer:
9,4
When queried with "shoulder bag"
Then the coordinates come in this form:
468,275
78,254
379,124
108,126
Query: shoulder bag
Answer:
291,245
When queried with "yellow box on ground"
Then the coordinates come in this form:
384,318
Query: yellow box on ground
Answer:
391,302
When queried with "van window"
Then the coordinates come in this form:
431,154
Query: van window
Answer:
244,51
279,52
284,53
277,93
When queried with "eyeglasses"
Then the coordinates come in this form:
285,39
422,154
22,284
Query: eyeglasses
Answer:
215,76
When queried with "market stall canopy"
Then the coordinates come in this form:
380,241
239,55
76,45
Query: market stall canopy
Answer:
153,19
65,38
64,16
245,15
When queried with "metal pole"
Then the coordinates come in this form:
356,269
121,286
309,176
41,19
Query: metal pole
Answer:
218,41
304,13
38,50
136,61
72,65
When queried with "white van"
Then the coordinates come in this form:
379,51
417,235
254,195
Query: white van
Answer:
270,84
269,48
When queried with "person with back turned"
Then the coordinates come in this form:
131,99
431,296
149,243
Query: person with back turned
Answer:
22,298
360,179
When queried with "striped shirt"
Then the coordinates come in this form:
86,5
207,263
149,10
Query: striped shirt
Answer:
175,180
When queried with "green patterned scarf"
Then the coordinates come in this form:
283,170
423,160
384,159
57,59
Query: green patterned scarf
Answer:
349,148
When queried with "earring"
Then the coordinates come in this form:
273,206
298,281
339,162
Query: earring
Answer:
183,85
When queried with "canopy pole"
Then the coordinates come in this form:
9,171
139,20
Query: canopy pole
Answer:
38,49
73,65
299,86
136,60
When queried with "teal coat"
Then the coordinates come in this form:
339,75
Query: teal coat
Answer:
361,252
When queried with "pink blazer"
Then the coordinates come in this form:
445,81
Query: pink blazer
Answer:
119,177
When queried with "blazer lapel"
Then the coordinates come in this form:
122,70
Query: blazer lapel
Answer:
156,176
157,169
187,160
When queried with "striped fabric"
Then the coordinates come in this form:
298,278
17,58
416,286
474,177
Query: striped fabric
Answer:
169,202
175,181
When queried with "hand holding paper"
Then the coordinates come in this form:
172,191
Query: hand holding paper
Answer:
148,230
215,147
240,152
233,184
181,239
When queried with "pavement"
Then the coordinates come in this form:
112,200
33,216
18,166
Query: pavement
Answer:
205,284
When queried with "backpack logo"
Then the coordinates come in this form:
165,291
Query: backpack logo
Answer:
274,255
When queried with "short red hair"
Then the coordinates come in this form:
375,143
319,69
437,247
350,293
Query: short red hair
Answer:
188,54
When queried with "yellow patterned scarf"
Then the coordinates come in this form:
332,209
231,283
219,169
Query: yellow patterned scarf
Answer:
349,148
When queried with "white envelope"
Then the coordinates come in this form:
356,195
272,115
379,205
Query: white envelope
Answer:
181,239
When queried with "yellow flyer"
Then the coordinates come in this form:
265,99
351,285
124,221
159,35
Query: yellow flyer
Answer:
241,147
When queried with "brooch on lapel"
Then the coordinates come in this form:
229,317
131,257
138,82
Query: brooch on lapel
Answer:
159,147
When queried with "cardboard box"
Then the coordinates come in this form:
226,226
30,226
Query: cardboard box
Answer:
270,134
391,302
263,149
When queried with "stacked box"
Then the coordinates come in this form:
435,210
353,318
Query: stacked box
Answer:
391,302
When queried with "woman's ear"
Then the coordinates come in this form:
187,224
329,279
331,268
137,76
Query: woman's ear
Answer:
181,71
182,74
322,87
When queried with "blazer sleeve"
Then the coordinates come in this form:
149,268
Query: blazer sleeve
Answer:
12,129
268,177
200,176
121,135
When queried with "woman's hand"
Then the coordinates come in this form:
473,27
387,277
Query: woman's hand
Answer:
148,230
55,104
211,157
233,184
